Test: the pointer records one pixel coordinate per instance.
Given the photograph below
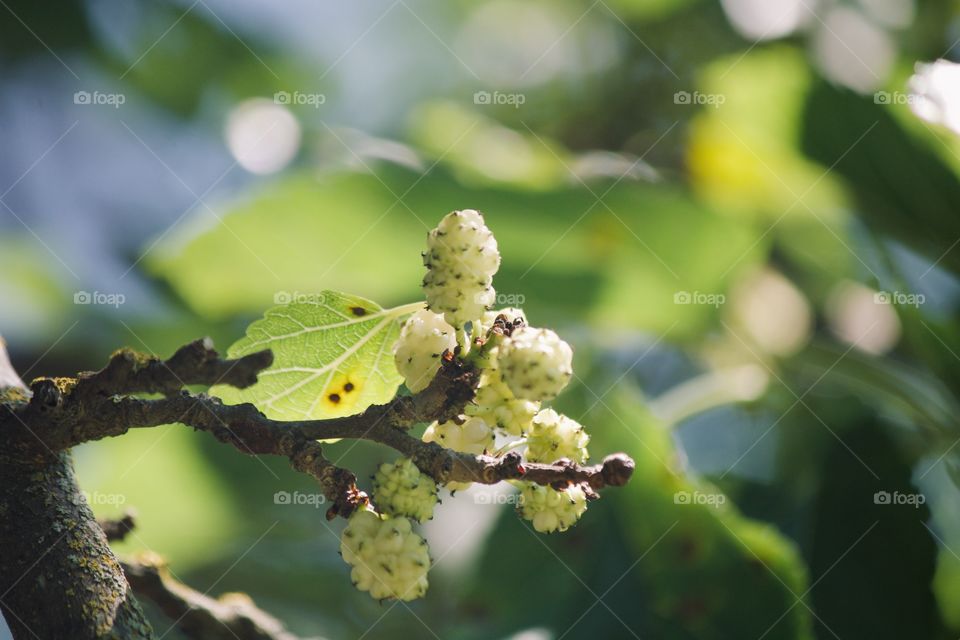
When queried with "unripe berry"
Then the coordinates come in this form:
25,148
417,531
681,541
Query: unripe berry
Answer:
494,401
473,436
423,339
554,436
550,510
388,559
535,363
496,404
461,258
400,489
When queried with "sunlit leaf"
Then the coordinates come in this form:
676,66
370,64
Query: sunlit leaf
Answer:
333,356
742,159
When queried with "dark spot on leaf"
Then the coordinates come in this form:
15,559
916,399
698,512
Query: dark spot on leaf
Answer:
358,311
348,387
334,398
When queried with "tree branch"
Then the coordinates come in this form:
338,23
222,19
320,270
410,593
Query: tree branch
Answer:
129,371
232,616
65,412
58,576
116,529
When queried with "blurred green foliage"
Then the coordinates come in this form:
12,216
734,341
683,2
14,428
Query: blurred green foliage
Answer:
608,199
614,264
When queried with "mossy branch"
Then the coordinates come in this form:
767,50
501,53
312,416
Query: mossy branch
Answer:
65,412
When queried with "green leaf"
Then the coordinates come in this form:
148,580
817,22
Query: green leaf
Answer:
555,240
332,357
281,220
666,568
904,188
882,588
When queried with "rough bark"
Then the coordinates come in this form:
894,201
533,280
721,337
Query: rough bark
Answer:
58,576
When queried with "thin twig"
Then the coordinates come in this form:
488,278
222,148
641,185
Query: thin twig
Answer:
232,616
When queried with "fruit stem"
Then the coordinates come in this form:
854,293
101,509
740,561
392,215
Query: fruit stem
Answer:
406,309
510,446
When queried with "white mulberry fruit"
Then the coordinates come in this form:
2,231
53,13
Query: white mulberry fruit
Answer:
473,436
401,489
388,559
496,404
535,363
423,339
550,510
554,436
494,401
461,258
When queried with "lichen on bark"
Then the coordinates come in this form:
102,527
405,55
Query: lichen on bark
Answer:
58,576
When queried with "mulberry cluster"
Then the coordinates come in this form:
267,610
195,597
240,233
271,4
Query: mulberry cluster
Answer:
401,489
556,436
494,401
496,404
520,368
461,258
471,435
423,339
388,559
467,435
536,363
550,510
